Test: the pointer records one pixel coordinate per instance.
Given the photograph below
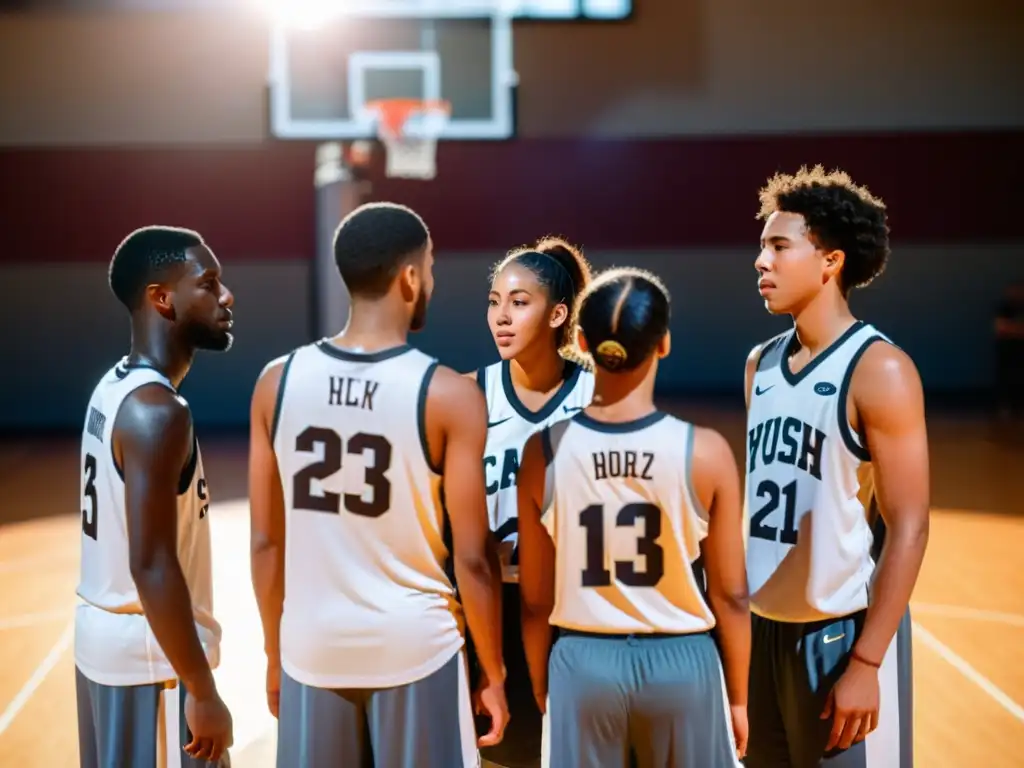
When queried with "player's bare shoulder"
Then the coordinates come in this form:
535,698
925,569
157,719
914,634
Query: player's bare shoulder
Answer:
885,377
884,365
153,421
269,379
153,409
712,465
264,394
455,411
455,395
711,452
272,372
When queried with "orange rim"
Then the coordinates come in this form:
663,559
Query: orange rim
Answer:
395,112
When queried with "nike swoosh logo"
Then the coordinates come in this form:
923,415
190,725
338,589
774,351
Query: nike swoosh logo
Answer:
826,639
496,423
572,409
759,391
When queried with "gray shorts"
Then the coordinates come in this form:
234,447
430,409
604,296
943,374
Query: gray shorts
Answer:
133,726
424,724
792,669
637,701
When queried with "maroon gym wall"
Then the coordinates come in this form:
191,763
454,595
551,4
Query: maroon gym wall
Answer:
645,141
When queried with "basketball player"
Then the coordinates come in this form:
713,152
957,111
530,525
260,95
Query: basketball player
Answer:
536,382
360,445
835,436
616,507
145,636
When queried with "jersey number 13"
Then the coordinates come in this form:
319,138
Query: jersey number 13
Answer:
647,546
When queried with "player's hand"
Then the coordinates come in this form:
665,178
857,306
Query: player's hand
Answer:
273,685
853,706
507,558
490,700
740,729
210,723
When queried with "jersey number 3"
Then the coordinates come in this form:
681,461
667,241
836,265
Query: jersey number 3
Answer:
90,510
380,487
596,575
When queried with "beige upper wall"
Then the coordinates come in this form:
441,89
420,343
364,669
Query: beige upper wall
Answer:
681,67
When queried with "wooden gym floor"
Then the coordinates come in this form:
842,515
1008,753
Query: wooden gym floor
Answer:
968,608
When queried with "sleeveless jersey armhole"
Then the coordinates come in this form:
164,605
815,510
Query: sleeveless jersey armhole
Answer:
279,400
694,502
189,464
189,471
421,417
548,493
851,440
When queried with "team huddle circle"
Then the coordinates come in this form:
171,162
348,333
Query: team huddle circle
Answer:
531,563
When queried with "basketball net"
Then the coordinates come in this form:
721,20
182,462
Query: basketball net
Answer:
410,154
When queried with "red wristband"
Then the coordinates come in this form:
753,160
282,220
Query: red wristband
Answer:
862,660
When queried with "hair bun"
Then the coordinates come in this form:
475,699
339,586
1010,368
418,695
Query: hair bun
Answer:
610,354
569,256
560,248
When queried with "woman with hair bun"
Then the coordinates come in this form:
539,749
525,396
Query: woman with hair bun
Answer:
631,545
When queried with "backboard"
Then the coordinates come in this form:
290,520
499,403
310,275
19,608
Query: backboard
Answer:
324,68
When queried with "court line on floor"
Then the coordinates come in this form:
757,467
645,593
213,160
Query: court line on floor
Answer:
966,612
32,619
22,697
968,671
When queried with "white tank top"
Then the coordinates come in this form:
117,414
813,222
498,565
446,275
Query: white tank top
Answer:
367,603
809,485
114,644
626,526
509,426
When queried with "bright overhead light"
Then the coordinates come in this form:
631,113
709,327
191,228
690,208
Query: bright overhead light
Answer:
301,14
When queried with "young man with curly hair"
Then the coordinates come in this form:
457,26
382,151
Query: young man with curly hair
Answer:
837,491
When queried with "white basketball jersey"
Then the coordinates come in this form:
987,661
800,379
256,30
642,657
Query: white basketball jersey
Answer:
809,485
626,526
114,644
367,603
509,426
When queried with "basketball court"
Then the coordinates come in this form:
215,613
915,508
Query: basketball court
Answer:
968,609
447,69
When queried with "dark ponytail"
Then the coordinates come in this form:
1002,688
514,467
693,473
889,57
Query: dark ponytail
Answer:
564,273
623,315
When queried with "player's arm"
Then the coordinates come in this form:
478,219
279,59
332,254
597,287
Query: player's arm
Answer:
751,368
266,510
716,483
889,408
888,404
536,567
457,432
153,441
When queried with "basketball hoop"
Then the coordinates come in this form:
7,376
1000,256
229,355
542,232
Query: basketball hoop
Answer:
409,129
